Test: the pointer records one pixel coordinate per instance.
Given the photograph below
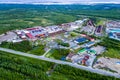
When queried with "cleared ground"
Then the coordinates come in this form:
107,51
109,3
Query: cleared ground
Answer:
110,63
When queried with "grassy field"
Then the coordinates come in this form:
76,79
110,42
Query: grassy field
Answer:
113,53
24,68
39,50
112,48
57,53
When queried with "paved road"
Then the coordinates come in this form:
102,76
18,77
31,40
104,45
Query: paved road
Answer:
103,72
46,52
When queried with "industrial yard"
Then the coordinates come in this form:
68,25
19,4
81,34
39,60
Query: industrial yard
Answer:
70,42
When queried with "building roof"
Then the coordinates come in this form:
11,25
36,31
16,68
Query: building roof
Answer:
92,51
99,29
113,24
26,31
37,31
29,35
98,49
18,32
118,63
70,55
82,50
89,43
111,34
81,40
34,28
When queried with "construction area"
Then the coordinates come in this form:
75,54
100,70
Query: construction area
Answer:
109,64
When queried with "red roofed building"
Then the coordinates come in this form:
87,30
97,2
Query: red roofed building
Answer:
29,35
32,28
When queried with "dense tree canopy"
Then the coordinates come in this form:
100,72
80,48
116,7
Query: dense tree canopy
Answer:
23,46
24,68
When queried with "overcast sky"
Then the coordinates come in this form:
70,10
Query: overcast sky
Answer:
63,1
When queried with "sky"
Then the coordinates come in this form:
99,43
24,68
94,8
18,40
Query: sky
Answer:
60,1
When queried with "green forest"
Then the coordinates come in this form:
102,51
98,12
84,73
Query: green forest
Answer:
24,68
24,16
23,46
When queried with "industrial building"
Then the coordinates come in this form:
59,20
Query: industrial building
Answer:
89,44
98,31
86,36
39,32
89,28
53,30
36,32
73,25
113,29
80,40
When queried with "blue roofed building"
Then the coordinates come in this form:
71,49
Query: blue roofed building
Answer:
113,29
89,44
80,40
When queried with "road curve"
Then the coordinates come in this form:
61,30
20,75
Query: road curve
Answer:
99,71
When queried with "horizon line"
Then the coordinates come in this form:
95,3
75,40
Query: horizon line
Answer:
59,3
